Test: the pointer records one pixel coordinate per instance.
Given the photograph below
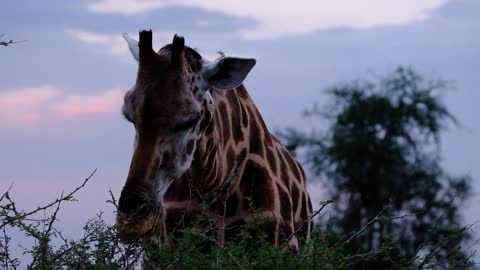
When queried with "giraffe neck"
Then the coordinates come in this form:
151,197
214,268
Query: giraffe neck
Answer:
205,168
220,151
238,161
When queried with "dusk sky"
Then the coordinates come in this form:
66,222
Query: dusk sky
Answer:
61,90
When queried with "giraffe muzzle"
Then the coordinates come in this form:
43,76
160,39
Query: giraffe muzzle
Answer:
136,215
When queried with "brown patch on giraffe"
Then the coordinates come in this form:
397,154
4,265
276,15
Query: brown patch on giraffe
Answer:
292,164
225,118
266,133
244,115
211,170
212,174
256,187
256,145
231,161
272,161
211,179
218,124
242,93
295,196
209,160
254,115
285,204
230,156
235,116
283,169
207,122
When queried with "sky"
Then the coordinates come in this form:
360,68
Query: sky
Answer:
61,89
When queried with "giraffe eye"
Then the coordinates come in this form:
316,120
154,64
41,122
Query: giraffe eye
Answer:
188,123
127,114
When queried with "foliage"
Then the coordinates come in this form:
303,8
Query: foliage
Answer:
380,159
100,248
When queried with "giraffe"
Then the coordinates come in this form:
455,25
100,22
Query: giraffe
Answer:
196,125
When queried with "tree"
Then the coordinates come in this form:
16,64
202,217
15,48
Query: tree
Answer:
381,161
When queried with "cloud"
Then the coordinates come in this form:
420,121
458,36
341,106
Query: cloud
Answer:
276,19
114,44
35,105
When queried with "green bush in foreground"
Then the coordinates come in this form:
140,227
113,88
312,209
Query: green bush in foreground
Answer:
100,248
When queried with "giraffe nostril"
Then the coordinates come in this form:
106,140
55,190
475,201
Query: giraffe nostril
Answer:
164,159
135,203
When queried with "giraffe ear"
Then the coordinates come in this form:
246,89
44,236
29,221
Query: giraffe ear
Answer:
133,46
227,72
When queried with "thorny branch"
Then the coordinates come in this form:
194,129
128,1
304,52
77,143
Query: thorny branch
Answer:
323,204
20,215
118,254
8,42
376,218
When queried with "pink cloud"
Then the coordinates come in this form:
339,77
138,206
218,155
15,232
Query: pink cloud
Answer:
79,105
39,104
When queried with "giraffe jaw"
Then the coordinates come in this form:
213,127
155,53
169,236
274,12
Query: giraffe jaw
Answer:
131,228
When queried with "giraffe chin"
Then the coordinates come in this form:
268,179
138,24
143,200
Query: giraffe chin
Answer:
134,228
137,215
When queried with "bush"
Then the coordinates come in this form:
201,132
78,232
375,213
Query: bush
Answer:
100,248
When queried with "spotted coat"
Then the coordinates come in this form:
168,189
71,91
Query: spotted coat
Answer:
198,132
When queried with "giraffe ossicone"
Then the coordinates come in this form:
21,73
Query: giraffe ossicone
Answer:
198,129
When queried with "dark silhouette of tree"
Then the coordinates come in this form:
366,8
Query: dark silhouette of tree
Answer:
380,159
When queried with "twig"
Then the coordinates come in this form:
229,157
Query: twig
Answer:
8,189
376,218
9,42
8,263
19,215
316,213
112,199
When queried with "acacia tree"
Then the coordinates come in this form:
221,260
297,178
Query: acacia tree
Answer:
380,159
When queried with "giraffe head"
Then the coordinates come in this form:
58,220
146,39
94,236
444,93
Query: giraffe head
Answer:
168,107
